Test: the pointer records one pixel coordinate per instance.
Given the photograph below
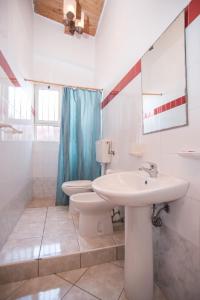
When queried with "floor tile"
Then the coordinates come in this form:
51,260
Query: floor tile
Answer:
95,243
53,229
59,246
46,288
31,230
42,203
35,210
73,276
7,289
59,264
77,294
35,217
119,238
20,250
61,213
119,263
66,224
59,208
104,281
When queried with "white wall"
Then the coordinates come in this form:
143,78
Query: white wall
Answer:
118,48
16,17
127,30
16,34
62,58
179,249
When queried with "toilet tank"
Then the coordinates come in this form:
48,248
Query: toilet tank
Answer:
103,151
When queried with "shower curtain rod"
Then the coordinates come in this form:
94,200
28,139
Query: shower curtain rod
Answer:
63,85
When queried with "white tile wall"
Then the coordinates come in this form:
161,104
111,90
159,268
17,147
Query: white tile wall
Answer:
122,123
15,166
44,165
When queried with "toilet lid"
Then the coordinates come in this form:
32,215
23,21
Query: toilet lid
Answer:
79,183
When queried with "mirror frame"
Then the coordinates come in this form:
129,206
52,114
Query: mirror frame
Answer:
186,89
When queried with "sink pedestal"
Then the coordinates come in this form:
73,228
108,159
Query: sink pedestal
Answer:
138,253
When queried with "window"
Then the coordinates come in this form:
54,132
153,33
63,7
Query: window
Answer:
47,113
47,106
19,105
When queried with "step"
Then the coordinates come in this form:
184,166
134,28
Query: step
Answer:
46,241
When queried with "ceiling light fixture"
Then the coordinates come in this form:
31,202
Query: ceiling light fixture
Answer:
74,17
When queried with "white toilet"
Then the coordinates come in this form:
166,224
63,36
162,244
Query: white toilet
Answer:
94,212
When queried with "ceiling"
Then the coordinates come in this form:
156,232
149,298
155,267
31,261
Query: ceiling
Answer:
53,9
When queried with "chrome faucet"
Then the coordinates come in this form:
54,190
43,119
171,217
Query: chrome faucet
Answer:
152,170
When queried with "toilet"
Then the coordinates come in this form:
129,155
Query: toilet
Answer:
76,187
94,214
93,211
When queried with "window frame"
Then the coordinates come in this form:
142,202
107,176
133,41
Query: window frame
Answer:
16,120
38,122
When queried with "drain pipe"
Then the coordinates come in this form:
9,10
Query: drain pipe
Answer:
155,218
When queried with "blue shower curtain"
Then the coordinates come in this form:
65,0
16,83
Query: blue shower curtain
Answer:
80,128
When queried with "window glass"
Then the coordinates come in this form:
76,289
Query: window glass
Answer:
19,107
47,113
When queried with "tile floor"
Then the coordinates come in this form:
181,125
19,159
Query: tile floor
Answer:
42,202
104,281
47,240
45,232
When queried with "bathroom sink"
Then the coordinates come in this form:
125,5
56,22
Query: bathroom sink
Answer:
136,188
137,191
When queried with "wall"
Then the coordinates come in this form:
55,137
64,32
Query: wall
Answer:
15,150
124,38
177,243
45,161
62,58
16,34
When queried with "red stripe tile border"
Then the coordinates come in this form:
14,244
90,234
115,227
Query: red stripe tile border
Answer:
165,107
5,66
192,11
134,71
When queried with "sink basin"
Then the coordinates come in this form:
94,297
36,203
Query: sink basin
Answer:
138,189
137,192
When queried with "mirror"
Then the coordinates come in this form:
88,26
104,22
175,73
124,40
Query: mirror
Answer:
164,81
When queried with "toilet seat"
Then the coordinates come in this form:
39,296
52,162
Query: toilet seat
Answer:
78,183
77,186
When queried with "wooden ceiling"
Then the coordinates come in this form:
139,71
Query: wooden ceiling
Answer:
53,9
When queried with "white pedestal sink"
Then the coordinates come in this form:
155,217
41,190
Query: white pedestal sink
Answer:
137,192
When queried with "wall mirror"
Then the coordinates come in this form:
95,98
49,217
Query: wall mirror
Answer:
164,95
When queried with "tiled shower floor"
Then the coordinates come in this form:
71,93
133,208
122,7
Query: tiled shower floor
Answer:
46,241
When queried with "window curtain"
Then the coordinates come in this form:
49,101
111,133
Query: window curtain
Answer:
80,128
